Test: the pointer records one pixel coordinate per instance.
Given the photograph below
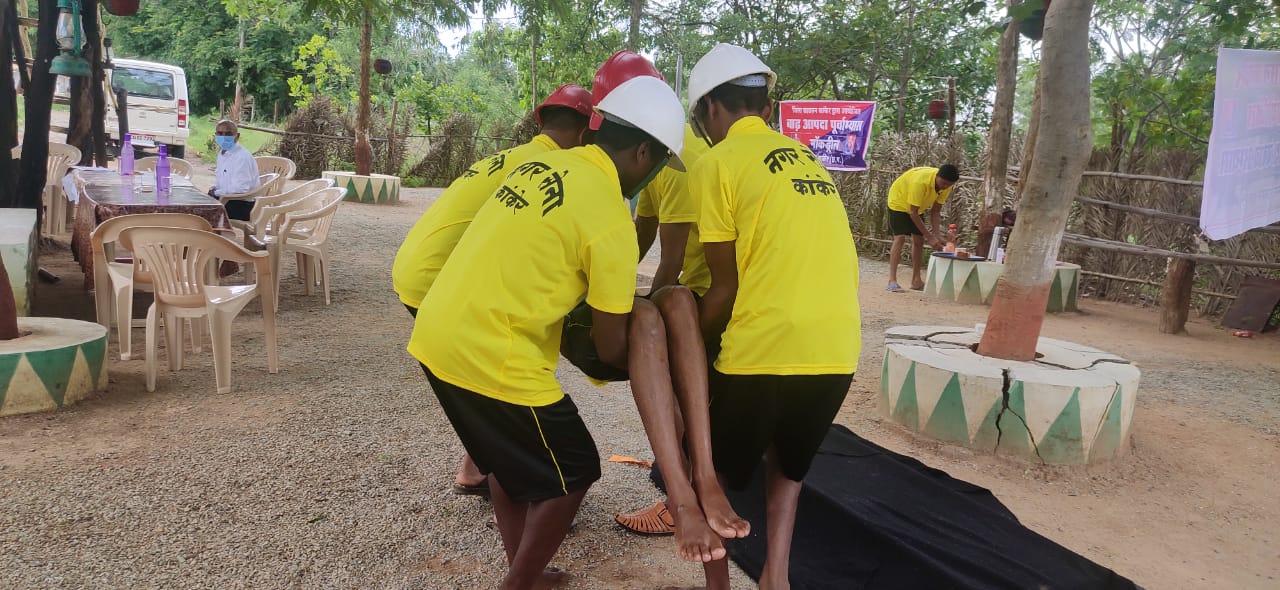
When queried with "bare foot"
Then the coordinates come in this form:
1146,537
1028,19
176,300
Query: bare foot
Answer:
552,576
695,541
720,514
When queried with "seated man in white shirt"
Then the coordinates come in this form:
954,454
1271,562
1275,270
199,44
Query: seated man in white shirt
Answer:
237,171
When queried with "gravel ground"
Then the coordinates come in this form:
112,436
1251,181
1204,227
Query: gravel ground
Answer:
334,472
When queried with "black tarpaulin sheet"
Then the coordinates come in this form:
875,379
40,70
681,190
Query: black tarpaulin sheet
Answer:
871,518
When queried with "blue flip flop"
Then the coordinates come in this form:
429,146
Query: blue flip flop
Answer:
895,288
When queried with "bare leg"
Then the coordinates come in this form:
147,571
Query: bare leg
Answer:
687,355
531,533
782,495
895,256
917,254
468,474
717,574
655,400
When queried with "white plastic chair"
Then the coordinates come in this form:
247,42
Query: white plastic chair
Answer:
61,158
280,165
264,183
300,226
261,203
176,165
114,281
179,260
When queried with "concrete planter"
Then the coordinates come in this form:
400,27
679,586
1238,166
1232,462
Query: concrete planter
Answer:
1073,405
59,363
379,189
18,248
967,281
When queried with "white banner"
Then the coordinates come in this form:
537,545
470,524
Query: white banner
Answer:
1242,176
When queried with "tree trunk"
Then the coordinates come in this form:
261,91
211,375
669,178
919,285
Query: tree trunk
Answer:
1061,154
1029,143
8,110
994,182
1175,300
364,151
237,102
37,105
633,36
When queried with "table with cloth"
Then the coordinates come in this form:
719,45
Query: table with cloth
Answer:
103,194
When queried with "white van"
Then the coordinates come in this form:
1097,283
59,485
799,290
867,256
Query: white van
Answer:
158,107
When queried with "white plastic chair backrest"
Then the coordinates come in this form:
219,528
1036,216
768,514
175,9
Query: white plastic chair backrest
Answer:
61,157
282,166
265,183
178,258
305,189
176,166
313,224
108,232
16,152
273,216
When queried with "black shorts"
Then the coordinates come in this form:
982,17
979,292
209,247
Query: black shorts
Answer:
413,311
900,224
579,348
750,413
536,453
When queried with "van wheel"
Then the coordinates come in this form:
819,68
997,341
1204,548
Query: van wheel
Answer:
178,151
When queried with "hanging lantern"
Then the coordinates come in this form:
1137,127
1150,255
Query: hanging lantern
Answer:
937,109
121,7
70,38
382,66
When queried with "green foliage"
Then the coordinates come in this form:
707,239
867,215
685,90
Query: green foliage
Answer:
322,65
203,38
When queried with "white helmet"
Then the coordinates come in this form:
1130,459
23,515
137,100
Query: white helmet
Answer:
725,63
648,104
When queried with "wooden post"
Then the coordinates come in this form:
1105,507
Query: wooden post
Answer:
1175,300
391,139
275,113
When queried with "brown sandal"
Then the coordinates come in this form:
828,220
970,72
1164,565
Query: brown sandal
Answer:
654,520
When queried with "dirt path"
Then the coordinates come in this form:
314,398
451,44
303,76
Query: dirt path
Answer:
333,473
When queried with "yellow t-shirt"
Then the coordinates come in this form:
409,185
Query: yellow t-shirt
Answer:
667,198
429,243
915,187
796,311
556,230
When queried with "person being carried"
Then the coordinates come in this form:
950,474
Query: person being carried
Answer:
488,332
783,301
917,190
562,119
236,171
665,324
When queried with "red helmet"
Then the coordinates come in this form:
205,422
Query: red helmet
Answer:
620,67
571,96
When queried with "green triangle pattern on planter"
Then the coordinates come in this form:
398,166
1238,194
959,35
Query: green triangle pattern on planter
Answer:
1063,442
947,422
987,435
382,192
906,412
1015,438
54,368
1107,443
1056,294
8,363
95,353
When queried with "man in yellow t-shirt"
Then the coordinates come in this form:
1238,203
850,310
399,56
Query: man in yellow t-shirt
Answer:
488,333
784,291
916,191
563,118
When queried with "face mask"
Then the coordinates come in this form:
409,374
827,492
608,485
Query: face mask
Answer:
225,142
652,174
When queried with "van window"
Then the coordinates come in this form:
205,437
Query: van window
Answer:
143,83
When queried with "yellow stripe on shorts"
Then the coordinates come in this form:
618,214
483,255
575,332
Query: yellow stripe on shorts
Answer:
549,451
